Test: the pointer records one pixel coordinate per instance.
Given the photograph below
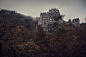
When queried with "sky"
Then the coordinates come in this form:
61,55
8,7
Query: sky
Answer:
70,8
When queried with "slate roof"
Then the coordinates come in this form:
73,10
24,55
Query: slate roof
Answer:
69,21
76,20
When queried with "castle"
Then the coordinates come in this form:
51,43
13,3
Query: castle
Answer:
46,19
47,16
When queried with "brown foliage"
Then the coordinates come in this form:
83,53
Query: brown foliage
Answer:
54,37
40,33
66,25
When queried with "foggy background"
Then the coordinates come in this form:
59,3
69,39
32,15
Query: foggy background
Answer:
71,8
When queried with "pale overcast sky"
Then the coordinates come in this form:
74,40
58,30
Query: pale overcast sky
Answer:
71,8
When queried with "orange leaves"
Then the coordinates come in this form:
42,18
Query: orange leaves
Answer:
52,40
40,28
75,37
72,31
15,34
33,44
69,28
66,25
29,46
54,37
40,33
20,28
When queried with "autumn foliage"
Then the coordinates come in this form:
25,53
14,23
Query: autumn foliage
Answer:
40,33
66,25
18,39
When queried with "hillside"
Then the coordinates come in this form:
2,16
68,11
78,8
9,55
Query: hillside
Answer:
18,39
15,28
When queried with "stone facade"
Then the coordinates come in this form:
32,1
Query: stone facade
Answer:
75,22
45,17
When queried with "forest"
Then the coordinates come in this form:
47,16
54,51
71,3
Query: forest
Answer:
18,38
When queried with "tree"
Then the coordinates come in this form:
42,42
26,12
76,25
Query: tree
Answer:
66,25
40,32
57,18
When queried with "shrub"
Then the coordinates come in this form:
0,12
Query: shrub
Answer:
60,30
